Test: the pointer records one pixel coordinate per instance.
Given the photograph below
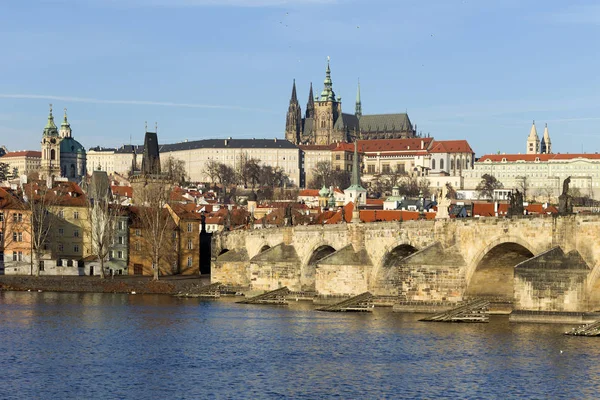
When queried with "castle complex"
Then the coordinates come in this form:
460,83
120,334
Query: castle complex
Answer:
325,123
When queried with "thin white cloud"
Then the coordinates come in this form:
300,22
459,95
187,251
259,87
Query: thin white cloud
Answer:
577,14
212,3
125,102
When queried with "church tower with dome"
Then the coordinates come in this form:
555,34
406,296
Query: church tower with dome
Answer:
62,155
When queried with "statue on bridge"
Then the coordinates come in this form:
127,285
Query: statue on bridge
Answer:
515,204
443,203
565,200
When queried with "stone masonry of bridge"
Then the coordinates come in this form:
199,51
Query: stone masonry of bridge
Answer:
541,263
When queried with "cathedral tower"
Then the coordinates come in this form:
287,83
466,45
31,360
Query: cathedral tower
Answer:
546,145
310,105
327,110
358,107
293,120
50,165
533,141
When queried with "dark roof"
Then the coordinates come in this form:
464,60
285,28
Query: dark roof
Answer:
385,123
346,122
130,148
229,143
151,159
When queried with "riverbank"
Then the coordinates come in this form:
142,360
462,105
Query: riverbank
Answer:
93,284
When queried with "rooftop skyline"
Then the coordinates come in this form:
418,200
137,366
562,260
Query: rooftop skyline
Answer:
205,69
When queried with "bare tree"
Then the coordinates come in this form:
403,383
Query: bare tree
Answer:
175,170
41,204
211,169
158,225
523,185
102,218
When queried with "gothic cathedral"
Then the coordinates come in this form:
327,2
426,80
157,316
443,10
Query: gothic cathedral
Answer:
325,123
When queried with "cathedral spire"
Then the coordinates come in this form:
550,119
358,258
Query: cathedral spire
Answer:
327,94
533,141
310,105
293,121
358,108
546,144
294,98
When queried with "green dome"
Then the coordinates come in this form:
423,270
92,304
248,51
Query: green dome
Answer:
70,145
324,191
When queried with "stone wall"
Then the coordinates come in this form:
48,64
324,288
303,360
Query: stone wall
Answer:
552,281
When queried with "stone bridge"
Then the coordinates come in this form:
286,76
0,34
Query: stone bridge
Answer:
543,263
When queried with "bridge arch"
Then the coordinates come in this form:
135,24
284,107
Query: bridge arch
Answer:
491,273
385,271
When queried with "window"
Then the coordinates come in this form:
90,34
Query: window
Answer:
189,261
121,240
138,247
61,214
14,256
110,254
121,225
75,214
20,258
138,232
1,236
76,248
14,236
452,164
190,227
59,262
1,217
190,245
61,231
432,164
337,156
119,254
371,169
61,247
442,163
76,233
41,265
385,168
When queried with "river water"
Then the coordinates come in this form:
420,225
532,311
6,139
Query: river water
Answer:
114,346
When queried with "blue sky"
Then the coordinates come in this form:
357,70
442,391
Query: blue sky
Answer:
479,70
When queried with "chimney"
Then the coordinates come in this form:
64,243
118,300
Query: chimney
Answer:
226,142
422,144
496,208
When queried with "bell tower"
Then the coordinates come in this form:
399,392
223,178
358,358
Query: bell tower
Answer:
293,120
50,165
327,110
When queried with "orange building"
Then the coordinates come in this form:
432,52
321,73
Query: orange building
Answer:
15,237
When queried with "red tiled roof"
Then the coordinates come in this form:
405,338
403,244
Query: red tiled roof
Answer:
388,145
316,146
375,202
451,146
123,191
309,193
539,209
533,157
27,153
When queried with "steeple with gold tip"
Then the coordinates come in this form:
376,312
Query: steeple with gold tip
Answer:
546,145
327,94
533,141
65,127
50,129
